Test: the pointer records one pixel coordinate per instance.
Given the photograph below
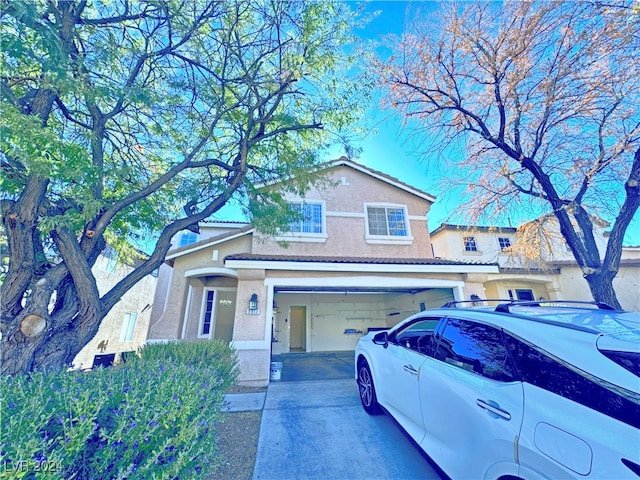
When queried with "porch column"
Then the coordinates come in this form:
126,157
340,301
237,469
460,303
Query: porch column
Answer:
252,328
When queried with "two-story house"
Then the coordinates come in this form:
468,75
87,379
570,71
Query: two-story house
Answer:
534,261
360,258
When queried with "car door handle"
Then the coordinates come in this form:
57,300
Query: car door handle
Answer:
410,369
493,407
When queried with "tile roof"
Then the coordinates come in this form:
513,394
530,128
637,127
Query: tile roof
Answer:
472,228
364,260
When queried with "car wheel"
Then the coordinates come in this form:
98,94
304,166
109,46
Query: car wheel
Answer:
367,390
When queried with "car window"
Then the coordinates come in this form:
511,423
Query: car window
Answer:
551,373
418,335
477,348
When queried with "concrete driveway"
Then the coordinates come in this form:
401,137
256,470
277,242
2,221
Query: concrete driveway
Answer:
318,430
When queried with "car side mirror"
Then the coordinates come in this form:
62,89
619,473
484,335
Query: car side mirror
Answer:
381,339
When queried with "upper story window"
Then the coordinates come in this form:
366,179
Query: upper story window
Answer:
309,224
187,238
387,224
504,243
310,218
470,244
389,221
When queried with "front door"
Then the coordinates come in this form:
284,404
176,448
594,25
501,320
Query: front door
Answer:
298,329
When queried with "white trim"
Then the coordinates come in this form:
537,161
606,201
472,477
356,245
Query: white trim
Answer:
345,214
268,324
388,240
333,213
366,282
360,267
201,272
229,225
187,307
207,245
303,237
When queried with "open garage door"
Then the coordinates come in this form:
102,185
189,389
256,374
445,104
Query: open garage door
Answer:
333,318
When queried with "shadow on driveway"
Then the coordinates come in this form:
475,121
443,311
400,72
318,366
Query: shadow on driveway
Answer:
299,367
317,430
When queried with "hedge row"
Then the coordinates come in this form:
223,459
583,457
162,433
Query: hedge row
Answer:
151,418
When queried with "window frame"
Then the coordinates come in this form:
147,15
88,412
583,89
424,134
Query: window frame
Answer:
471,240
300,236
211,322
500,243
406,239
128,327
185,234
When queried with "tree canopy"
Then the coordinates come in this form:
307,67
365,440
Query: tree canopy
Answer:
543,99
124,118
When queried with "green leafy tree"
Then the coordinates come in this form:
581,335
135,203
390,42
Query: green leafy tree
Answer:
124,118
543,97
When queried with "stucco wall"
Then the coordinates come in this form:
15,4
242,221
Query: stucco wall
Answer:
169,305
137,300
345,220
626,284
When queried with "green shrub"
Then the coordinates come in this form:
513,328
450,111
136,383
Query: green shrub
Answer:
152,417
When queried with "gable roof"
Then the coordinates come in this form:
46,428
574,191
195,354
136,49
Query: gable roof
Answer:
209,242
345,162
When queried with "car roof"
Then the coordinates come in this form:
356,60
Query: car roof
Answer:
572,334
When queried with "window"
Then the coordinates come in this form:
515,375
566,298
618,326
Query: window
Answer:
418,336
559,377
207,319
187,238
470,244
387,221
524,294
310,218
476,348
128,326
112,259
504,243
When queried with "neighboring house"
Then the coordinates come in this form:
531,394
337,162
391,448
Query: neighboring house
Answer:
544,268
124,329
360,259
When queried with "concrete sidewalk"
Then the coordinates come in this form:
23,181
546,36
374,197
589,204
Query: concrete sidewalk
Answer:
317,430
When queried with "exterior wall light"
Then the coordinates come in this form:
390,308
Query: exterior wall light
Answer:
253,305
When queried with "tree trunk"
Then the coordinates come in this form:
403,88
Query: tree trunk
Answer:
601,286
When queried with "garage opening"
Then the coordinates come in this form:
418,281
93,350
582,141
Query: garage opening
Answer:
332,319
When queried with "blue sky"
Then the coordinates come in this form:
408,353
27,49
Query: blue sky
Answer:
388,147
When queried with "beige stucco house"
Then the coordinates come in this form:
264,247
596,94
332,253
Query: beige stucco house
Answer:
361,258
543,269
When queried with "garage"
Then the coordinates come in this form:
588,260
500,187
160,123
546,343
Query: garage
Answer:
333,318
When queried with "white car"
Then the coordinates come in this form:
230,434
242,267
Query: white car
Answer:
517,391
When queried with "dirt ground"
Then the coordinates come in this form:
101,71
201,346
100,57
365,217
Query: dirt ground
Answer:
237,442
